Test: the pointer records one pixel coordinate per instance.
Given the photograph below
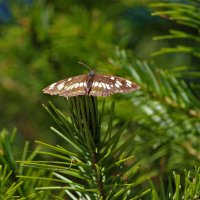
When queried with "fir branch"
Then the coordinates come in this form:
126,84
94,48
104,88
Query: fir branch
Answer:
97,163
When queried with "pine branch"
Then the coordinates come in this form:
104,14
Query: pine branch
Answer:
7,188
167,114
189,189
91,164
12,184
186,15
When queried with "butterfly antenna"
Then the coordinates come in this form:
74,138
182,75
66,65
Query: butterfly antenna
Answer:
81,63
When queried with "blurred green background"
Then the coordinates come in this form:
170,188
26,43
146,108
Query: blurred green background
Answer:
42,41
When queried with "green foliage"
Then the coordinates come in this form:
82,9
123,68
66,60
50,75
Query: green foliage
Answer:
7,188
41,46
92,161
176,190
185,36
6,144
167,113
185,40
67,170
12,182
166,109
44,43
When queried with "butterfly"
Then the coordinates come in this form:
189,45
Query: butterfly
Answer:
91,84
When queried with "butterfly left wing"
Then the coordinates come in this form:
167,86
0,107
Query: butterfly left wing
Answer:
73,86
105,85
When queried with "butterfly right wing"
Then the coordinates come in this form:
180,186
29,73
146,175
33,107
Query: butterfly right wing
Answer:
105,85
73,86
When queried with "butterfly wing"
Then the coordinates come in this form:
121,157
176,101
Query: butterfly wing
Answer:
105,85
73,86
92,84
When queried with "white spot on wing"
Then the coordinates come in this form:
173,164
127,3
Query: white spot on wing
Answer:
76,85
52,86
99,84
118,86
112,77
60,86
96,84
72,86
128,82
104,85
108,87
119,83
69,79
81,84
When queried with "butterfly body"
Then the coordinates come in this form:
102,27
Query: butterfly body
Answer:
91,84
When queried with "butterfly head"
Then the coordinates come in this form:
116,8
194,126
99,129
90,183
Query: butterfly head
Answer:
91,74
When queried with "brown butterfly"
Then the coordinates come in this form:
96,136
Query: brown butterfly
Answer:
91,84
